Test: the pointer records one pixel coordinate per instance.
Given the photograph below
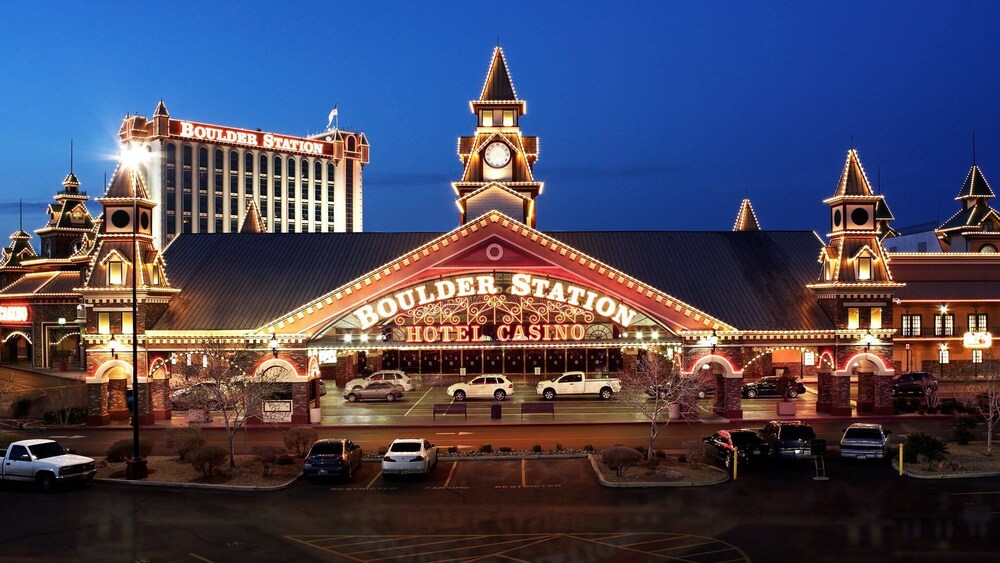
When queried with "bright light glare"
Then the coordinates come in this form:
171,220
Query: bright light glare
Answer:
133,155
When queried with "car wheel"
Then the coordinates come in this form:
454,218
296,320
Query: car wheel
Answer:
46,482
459,395
605,393
390,397
792,393
499,395
549,394
352,398
751,393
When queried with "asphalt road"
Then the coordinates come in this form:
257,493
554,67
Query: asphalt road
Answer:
552,510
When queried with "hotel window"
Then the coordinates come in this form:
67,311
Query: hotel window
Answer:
186,179
864,268
977,322
853,317
508,118
234,225
291,178
487,118
349,197
331,175
977,356
234,204
218,203
127,323
218,224
116,274
187,155
202,224
203,169
104,323
876,318
944,325
171,224
910,325
318,181
203,203
248,174
944,356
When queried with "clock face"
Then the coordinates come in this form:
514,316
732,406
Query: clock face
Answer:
497,154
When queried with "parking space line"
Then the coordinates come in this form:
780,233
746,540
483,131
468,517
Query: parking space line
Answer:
418,400
451,474
200,558
372,482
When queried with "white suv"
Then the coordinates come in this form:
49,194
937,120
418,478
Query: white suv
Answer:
394,376
493,385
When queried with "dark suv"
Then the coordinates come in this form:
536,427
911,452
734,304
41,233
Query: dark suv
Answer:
913,384
749,446
789,439
328,458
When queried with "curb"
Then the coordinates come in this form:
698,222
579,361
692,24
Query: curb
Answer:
198,486
643,485
966,475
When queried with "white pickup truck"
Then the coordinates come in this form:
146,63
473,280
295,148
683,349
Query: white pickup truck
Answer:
578,383
44,462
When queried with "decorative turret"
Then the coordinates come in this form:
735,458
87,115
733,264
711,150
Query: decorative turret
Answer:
70,227
746,219
18,251
498,160
976,227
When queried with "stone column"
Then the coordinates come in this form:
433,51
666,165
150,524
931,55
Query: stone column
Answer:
300,402
719,403
117,402
97,404
160,398
840,395
145,403
866,392
824,393
883,395
733,407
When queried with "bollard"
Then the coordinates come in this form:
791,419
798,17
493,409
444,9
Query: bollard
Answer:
736,461
901,460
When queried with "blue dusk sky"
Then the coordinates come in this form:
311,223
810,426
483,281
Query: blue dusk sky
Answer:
651,116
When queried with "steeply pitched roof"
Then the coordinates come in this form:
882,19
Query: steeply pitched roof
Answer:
125,184
853,180
751,280
498,85
252,221
746,219
975,185
161,110
882,212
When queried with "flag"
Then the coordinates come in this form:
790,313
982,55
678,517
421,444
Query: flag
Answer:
333,114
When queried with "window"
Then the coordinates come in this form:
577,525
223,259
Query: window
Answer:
187,156
104,323
218,160
349,197
508,118
155,275
944,356
116,274
127,323
864,268
487,118
853,317
988,249
218,224
202,224
944,325
876,318
977,356
248,174
911,325
977,322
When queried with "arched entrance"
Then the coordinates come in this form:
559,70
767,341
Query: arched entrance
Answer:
107,394
718,370
874,381
17,348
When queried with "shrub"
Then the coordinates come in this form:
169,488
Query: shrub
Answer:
183,440
121,450
506,450
924,447
536,449
6,438
620,458
697,453
208,459
963,428
268,457
486,449
559,447
300,439
72,415
23,408
453,449
589,448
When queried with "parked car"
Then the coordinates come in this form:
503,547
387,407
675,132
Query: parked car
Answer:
493,385
376,390
865,441
410,456
751,449
196,395
578,383
390,375
329,458
45,462
913,384
704,390
790,439
768,386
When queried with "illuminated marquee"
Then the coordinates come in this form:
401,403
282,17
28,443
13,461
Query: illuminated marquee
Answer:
503,333
13,313
977,340
521,285
254,139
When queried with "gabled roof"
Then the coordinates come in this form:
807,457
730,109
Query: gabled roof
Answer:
970,217
498,85
975,185
493,186
252,221
882,212
746,219
20,249
853,180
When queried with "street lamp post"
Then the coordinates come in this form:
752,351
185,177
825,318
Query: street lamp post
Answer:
135,468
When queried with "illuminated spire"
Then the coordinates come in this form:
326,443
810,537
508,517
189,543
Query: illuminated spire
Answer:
746,219
853,180
975,185
253,222
161,110
498,85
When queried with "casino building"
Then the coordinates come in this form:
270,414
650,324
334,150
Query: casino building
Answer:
204,178
496,294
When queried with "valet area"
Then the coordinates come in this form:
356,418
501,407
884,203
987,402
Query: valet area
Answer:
497,294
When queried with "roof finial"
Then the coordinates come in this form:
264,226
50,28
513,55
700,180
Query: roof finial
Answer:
973,147
71,155
852,142
20,214
498,41
878,180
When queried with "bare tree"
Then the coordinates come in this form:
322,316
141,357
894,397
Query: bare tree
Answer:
651,385
226,382
982,396
64,400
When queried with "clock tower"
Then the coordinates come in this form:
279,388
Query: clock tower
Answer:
498,159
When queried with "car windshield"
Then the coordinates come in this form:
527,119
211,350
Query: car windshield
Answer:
405,447
863,434
327,448
744,439
48,449
797,433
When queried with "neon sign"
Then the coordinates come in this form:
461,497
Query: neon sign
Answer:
201,132
13,313
521,285
503,333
